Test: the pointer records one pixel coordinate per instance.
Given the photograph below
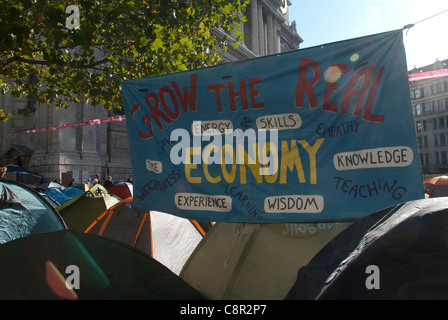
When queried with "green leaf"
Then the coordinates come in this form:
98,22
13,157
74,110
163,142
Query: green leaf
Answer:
158,44
144,41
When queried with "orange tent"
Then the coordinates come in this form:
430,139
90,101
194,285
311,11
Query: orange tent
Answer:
167,238
436,186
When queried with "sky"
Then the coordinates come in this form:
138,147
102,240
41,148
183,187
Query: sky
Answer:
324,21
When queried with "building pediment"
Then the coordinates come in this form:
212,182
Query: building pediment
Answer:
18,150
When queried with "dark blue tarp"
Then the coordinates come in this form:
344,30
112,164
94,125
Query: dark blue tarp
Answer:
22,175
397,253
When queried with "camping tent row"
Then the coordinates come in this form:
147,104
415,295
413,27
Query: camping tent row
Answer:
167,238
406,242
399,252
58,194
37,249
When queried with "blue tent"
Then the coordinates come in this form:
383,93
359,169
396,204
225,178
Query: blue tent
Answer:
57,195
24,212
73,192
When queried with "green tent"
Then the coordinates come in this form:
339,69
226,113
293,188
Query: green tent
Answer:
76,266
167,238
81,211
250,261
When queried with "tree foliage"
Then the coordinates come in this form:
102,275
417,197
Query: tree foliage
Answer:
41,56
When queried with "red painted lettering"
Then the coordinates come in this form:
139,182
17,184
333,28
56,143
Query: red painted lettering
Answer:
217,88
154,109
145,119
173,115
362,83
241,94
331,86
371,97
254,93
365,75
187,99
307,87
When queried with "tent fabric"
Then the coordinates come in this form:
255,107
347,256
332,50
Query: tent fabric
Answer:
97,191
121,222
22,175
436,186
50,200
167,238
35,268
24,212
45,186
57,195
407,243
254,261
173,239
81,211
122,190
73,192
16,168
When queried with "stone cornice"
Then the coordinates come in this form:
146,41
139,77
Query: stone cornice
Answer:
274,8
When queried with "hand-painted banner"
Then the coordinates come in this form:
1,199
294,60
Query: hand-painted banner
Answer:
319,134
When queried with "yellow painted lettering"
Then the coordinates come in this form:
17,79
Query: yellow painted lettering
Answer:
270,164
291,159
312,155
206,153
189,166
251,162
229,177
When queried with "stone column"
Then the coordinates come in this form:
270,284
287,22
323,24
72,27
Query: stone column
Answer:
270,31
254,26
260,29
276,35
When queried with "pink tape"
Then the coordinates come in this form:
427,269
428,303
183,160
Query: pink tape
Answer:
428,75
412,77
71,125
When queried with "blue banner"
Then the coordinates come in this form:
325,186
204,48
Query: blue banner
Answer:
318,134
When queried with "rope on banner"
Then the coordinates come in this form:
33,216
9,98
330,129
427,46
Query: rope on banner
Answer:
409,26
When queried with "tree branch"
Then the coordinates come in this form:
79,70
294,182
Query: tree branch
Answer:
46,63
29,61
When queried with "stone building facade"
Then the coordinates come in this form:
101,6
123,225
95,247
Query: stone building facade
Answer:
84,151
429,99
